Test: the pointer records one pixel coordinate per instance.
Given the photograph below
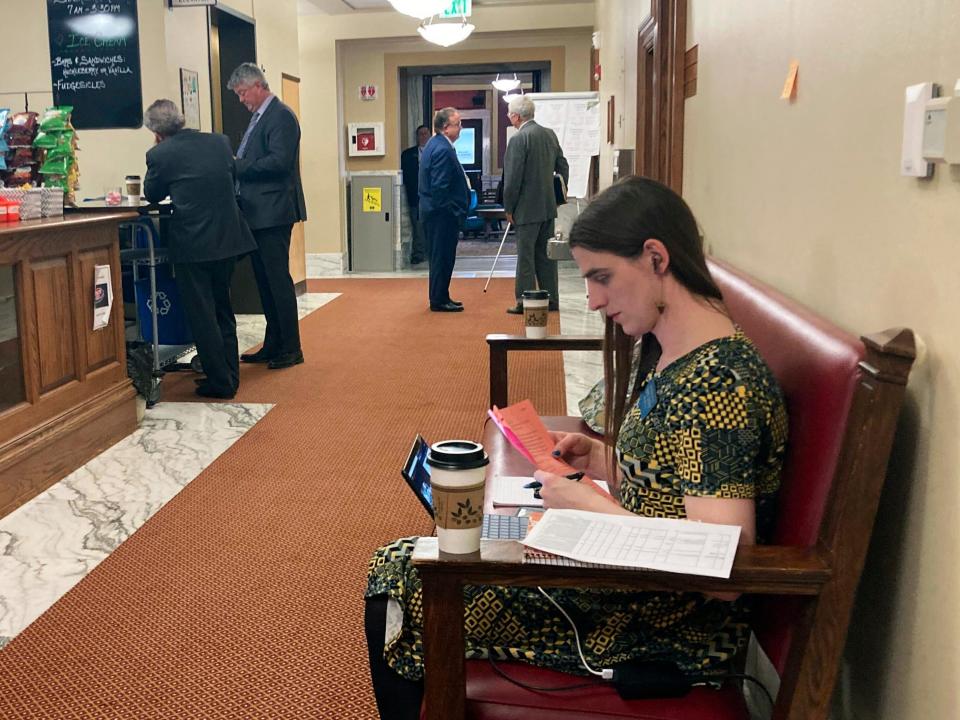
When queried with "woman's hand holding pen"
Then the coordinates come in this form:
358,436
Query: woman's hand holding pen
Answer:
583,453
558,491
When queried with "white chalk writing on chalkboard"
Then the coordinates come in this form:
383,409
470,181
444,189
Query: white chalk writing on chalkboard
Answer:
95,61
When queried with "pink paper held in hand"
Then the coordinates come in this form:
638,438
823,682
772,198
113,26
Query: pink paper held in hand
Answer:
521,425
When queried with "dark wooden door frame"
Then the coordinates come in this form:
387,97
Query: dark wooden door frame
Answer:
660,93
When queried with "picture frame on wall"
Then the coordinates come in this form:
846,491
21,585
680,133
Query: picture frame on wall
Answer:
190,98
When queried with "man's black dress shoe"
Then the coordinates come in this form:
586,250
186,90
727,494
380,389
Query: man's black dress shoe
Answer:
209,391
456,302
515,310
285,360
260,356
447,307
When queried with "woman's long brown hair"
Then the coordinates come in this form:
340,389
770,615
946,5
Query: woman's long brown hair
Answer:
619,221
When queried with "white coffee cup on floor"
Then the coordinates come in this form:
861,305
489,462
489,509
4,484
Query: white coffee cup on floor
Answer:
457,469
535,308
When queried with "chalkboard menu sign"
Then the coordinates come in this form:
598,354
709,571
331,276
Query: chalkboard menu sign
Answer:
95,61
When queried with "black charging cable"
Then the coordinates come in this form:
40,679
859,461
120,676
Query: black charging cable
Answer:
636,679
526,686
648,689
708,679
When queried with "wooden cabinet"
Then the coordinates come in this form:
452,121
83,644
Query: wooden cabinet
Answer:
64,391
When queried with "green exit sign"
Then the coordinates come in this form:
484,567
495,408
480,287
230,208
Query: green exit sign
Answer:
458,8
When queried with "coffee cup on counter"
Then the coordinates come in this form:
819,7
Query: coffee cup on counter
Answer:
457,469
132,184
535,307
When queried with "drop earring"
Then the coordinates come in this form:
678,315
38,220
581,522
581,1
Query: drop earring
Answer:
660,304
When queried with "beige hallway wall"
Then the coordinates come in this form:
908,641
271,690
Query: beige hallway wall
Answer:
170,39
337,52
105,155
807,195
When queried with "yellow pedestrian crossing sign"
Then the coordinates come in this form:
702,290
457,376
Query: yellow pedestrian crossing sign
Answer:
372,199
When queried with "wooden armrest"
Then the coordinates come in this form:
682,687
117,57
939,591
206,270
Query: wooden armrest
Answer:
500,345
758,569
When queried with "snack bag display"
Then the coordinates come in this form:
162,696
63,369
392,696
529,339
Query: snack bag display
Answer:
56,119
23,175
57,166
45,140
4,115
22,156
57,181
23,128
20,159
64,146
57,140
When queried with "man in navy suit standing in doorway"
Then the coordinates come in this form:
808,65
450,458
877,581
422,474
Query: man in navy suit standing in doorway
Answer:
444,200
271,198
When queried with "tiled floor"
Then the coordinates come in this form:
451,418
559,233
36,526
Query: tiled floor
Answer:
52,542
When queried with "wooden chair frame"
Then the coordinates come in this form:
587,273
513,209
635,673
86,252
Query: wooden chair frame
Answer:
825,577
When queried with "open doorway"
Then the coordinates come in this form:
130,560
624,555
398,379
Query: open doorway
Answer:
233,40
483,138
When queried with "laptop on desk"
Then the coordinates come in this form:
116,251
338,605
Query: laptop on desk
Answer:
416,472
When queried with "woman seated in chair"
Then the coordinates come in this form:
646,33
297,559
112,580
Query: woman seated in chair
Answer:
696,429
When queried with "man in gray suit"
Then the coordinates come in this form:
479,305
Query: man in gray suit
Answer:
532,158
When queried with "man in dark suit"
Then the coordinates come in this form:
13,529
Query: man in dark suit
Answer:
444,200
410,166
206,234
533,156
271,198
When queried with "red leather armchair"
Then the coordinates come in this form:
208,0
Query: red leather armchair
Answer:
843,397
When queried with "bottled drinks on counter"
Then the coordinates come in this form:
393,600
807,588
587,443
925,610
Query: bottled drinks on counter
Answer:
9,211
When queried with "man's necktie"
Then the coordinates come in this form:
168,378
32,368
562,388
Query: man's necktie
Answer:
246,135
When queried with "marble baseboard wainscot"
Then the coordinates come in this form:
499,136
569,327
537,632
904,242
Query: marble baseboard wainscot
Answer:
325,264
50,543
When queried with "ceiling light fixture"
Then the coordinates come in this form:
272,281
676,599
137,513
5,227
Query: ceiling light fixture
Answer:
506,85
511,95
420,9
445,34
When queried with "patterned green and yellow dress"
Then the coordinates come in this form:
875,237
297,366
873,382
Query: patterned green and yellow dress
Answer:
718,429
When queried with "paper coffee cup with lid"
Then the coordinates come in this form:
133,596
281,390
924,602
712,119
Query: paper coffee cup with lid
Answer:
132,186
535,307
457,469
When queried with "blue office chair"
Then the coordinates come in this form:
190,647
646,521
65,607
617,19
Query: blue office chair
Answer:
473,224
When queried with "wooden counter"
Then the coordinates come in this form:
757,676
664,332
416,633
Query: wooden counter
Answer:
64,391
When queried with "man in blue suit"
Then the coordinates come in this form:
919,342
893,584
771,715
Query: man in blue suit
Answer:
444,200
